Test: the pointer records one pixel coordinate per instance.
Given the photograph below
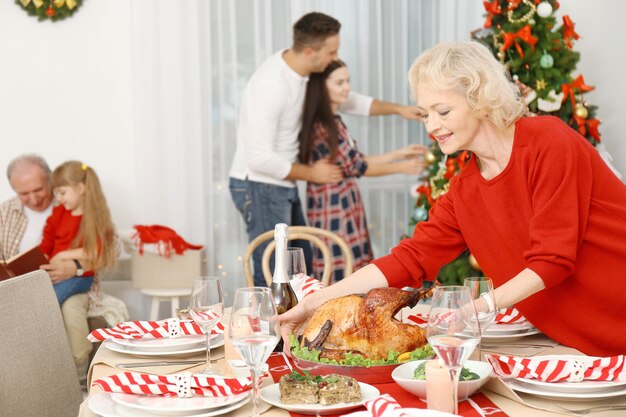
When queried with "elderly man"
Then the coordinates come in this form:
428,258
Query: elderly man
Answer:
22,219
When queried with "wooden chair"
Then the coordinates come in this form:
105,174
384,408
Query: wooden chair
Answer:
38,376
313,235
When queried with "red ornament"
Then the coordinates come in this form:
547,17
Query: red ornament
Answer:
50,11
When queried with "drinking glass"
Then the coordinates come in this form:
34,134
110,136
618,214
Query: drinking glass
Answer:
453,330
479,286
206,307
254,332
296,265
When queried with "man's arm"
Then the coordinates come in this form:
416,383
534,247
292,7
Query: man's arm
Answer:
321,172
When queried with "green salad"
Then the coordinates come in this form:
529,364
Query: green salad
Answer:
352,359
466,374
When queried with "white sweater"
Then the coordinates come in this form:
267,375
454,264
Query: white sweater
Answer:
270,119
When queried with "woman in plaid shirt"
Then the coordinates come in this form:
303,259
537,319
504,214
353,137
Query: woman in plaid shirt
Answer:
338,207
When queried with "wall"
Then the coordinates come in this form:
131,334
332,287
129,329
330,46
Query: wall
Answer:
600,23
65,93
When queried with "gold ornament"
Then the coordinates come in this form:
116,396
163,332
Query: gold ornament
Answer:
541,84
526,17
473,263
581,111
430,157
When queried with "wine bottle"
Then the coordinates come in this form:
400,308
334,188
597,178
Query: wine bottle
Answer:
284,296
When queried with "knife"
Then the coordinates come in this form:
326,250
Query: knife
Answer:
158,363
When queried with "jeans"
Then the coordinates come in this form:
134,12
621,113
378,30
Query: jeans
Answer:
69,287
262,207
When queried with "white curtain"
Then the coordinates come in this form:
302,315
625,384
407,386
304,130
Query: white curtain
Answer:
191,63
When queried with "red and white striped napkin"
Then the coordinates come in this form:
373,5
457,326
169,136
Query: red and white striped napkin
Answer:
304,285
151,329
382,406
505,316
560,369
182,385
508,316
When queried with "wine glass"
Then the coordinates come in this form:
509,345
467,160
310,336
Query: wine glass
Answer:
206,307
296,265
254,332
453,330
482,287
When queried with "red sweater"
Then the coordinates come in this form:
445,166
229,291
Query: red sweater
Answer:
557,209
59,232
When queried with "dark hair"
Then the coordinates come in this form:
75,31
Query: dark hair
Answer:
317,108
312,29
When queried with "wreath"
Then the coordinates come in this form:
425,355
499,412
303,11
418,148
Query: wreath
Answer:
50,9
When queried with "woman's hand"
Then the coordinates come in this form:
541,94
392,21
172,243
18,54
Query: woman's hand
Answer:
410,151
293,322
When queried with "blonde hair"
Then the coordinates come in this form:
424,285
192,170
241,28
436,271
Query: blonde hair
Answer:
96,234
470,69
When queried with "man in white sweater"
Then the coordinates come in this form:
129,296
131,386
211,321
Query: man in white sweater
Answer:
265,166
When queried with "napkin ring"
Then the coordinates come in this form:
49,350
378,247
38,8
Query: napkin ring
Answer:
183,385
577,370
173,327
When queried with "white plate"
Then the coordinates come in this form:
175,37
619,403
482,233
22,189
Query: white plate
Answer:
509,336
564,396
573,387
271,395
508,328
413,412
164,344
219,341
175,406
103,405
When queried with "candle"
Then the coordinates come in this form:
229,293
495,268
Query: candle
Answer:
438,387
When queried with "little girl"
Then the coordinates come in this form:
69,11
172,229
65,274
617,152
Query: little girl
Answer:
80,227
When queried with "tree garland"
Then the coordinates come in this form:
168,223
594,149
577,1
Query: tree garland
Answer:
50,9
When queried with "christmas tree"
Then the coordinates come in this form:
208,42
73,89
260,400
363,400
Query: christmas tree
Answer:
526,37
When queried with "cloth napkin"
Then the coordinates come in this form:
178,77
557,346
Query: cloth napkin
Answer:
182,384
382,406
570,369
505,316
151,329
304,285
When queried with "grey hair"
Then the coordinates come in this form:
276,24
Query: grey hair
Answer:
29,158
470,69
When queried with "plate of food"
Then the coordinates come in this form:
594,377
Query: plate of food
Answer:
357,335
318,395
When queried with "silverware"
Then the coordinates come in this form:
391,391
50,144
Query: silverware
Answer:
584,411
157,363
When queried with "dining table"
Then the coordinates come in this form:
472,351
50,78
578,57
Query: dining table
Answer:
495,398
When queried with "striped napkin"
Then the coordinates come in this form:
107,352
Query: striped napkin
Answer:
181,385
382,406
560,369
304,285
505,316
151,329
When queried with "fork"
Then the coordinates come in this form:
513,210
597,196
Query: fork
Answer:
585,411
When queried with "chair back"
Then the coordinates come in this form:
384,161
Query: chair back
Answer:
37,372
314,235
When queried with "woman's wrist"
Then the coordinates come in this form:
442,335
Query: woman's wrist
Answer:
489,301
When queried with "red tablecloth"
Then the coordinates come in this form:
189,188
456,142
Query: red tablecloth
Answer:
278,367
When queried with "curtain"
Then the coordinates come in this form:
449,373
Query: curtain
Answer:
191,64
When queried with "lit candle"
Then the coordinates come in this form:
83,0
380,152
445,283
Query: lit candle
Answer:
438,387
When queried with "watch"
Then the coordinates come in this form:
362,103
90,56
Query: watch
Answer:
79,268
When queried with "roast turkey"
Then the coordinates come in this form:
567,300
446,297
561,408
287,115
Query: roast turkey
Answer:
365,324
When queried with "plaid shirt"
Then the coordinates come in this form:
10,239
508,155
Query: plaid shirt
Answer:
13,223
338,207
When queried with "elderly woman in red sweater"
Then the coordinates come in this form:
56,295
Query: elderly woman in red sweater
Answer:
542,213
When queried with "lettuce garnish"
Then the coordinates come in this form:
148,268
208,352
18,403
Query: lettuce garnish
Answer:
353,359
